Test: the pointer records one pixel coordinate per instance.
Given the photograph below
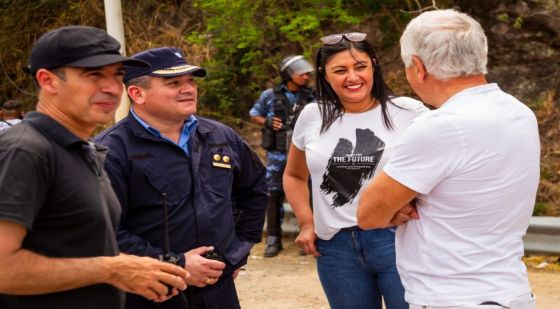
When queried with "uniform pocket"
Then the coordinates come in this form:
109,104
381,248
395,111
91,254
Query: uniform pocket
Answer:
162,185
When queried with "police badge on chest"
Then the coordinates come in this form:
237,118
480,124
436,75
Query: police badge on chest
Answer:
221,161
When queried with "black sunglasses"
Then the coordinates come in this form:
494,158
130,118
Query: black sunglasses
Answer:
336,38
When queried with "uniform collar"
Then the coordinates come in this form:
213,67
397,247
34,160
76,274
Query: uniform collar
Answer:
188,125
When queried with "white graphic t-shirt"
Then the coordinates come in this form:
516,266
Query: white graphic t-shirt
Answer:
346,157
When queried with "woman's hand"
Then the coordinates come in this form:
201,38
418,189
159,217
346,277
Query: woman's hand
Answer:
306,240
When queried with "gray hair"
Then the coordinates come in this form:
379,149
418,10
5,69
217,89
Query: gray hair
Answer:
140,81
449,43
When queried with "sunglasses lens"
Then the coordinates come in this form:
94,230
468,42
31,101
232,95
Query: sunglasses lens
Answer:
331,39
356,36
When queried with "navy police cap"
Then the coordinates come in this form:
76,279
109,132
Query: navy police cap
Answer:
164,62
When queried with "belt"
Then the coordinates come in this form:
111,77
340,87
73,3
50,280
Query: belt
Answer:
351,229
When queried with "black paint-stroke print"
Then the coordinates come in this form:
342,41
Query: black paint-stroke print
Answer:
350,167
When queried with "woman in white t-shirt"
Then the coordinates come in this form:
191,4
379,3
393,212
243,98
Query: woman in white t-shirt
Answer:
342,142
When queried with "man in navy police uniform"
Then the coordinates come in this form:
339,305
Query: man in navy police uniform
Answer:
209,180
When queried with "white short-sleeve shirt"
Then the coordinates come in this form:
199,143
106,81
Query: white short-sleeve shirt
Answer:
475,163
346,157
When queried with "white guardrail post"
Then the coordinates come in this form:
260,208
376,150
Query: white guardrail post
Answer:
115,27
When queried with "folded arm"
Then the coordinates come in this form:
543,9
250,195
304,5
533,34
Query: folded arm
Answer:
385,202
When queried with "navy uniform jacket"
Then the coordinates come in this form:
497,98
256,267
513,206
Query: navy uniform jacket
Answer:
221,176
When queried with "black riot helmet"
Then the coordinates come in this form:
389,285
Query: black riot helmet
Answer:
294,65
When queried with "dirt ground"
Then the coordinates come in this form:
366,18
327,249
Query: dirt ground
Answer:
290,281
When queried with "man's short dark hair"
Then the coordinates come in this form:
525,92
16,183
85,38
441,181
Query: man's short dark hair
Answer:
60,72
12,105
140,81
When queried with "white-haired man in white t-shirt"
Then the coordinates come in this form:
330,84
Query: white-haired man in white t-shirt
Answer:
472,168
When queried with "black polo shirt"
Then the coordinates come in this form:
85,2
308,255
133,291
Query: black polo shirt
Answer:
53,183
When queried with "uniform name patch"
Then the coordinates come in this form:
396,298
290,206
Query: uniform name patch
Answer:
222,165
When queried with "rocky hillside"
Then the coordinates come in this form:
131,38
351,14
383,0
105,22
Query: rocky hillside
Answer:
524,49
524,59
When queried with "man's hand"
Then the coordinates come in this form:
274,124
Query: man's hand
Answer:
381,202
274,123
146,276
203,271
408,212
306,240
235,273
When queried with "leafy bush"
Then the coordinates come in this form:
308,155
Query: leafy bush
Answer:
248,38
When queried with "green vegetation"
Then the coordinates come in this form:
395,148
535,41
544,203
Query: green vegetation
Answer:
540,209
249,38
240,42
516,22
503,17
537,103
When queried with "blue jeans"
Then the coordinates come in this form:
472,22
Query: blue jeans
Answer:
357,267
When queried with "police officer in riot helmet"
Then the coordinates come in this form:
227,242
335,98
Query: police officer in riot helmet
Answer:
277,110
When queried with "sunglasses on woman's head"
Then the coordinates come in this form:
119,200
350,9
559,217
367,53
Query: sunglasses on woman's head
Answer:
336,38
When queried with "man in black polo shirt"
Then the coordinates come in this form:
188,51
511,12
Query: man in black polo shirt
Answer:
58,213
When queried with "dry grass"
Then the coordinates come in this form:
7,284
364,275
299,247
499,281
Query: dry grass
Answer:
550,263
